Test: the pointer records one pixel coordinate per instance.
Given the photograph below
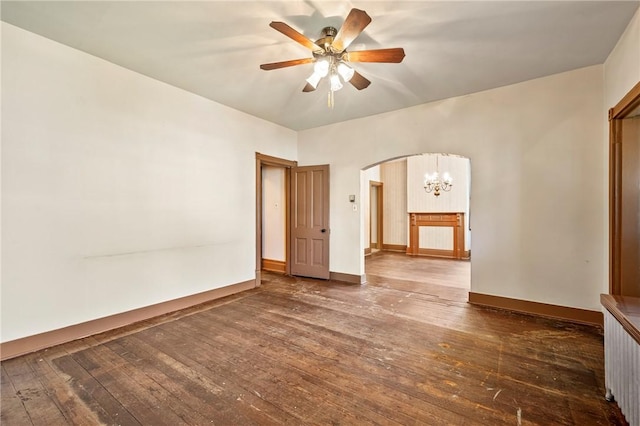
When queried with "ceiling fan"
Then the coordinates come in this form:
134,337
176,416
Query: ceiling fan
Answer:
330,56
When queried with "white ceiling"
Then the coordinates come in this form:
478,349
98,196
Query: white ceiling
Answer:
214,48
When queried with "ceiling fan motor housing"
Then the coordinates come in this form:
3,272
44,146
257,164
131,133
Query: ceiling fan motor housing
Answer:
328,34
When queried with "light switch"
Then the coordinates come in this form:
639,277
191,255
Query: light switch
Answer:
355,207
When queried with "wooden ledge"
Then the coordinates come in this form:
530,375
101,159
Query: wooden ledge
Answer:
626,310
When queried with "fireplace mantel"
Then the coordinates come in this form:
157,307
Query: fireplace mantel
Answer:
454,220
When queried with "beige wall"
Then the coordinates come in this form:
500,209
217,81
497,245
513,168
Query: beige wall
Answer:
118,191
534,149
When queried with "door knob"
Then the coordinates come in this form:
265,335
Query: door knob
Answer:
323,230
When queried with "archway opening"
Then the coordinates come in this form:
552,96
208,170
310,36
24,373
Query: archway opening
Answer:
424,233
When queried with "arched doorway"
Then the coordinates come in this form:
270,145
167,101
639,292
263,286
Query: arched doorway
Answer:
435,249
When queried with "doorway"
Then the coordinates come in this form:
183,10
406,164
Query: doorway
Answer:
267,168
375,216
624,196
292,218
439,241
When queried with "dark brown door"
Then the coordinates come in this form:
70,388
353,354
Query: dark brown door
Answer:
310,221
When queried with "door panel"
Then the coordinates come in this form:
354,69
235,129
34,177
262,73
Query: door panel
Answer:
310,227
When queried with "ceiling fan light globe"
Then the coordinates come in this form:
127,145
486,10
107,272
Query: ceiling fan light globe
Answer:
345,71
314,79
321,67
335,83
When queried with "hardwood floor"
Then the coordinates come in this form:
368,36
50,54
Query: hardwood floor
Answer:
303,351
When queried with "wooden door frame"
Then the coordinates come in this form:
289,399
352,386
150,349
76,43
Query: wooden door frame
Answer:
379,186
616,114
287,165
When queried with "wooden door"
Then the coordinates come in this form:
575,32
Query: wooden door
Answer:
630,208
310,221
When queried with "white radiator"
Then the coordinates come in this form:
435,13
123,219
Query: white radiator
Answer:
622,368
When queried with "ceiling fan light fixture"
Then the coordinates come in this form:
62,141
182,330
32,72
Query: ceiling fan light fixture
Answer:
335,83
314,79
329,54
321,67
345,71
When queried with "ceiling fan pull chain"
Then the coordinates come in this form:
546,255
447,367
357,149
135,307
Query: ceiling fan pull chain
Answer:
330,99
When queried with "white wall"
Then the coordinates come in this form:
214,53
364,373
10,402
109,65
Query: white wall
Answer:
536,208
273,213
118,191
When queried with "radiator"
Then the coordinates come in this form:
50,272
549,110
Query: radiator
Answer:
622,368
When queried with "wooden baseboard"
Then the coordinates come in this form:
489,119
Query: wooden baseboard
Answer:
447,254
271,265
347,278
25,345
367,251
394,247
578,315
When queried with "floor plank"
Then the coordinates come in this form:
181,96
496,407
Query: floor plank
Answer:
405,348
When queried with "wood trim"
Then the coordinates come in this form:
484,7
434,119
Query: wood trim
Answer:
626,310
271,265
48,339
347,278
616,114
394,247
627,104
367,251
262,159
379,210
449,254
258,220
615,207
275,161
577,315
454,220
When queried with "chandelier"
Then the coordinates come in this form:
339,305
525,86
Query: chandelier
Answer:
433,182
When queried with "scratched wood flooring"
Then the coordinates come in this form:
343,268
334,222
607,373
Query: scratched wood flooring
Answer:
298,351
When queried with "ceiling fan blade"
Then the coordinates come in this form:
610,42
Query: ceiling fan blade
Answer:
394,55
353,25
295,35
308,88
284,64
358,81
